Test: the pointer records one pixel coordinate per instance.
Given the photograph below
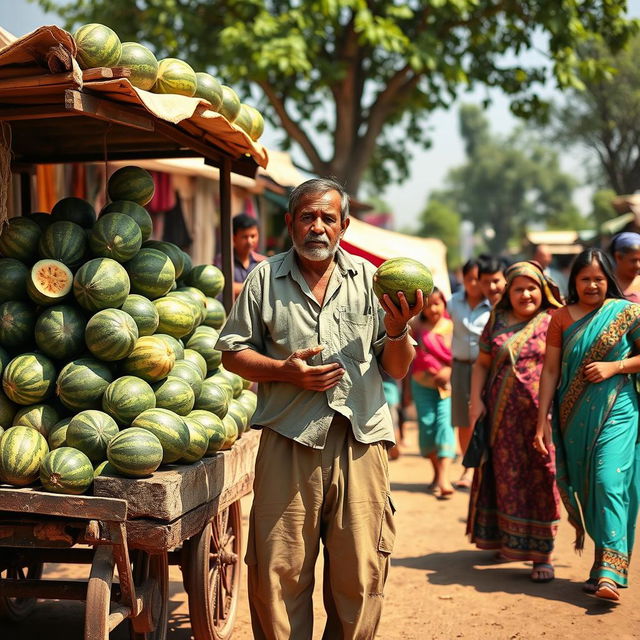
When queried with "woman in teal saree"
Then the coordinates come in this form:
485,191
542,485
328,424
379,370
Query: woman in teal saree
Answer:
590,353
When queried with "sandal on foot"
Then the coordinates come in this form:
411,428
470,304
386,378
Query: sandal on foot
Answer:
540,568
462,485
499,558
590,586
607,590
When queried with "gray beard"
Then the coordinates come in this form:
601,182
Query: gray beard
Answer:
316,254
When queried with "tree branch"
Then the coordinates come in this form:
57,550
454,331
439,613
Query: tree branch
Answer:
293,128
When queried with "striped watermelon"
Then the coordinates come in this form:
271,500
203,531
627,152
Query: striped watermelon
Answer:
208,88
173,343
213,398
188,264
152,273
216,315
230,103
135,452
64,241
190,374
17,322
19,239
195,294
101,283
257,124
66,470
197,359
142,63
176,316
244,119
98,46
239,413
111,334
231,431
232,378
205,345
249,401
143,312
175,76
14,279
116,236
215,429
169,428
151,359
402,274
208,278
74,210
82,383
171,250
8,410
134,210
41,218
90,432
41,417
4,359
59,332
174,394
198,310
22,450
131,183
58,434
126,398
29,378
105,468
49,282
198,441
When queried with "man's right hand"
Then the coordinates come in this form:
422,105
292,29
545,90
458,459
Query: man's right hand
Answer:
306,376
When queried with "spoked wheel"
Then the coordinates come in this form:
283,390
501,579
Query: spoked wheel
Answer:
213,576
96,616
16,609
151,570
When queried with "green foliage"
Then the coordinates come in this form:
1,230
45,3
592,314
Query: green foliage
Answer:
604,116
439,220
602,206
351,81
508,184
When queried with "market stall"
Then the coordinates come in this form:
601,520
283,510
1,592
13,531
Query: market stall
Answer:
187,512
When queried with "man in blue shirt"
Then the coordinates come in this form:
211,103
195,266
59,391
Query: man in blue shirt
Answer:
469,311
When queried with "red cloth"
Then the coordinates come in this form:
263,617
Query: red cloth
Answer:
432,353
164,197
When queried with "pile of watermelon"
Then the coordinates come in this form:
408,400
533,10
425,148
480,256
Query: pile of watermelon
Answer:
100,46
107,346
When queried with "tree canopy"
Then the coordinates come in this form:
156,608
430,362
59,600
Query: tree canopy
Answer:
507,184
604,117
351,81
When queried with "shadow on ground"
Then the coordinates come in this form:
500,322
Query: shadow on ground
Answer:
475,569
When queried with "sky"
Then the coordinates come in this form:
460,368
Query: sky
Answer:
429,167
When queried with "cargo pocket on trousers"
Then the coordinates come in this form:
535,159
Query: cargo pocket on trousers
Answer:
386,540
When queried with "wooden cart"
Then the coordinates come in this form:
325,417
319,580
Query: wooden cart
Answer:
186,515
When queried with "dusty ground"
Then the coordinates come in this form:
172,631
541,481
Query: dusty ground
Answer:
440,587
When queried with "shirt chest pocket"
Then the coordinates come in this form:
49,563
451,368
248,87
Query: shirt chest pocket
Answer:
356,331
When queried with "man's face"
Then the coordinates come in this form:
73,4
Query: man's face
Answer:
245,240
492,286
471,284
316,227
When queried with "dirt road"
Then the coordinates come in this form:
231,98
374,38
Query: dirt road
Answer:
440,587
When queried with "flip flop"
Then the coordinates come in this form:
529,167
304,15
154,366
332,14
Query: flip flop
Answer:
462,485
607,590
542,566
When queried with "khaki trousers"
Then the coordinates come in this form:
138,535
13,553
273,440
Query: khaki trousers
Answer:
340,495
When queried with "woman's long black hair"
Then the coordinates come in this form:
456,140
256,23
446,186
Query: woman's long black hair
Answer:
583,260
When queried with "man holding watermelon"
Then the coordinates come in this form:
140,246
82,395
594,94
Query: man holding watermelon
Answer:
308,327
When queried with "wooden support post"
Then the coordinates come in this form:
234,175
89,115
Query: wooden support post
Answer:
25,192
226,232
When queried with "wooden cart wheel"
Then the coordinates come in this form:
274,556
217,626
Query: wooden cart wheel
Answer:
16,609
213,576
96,616
152,569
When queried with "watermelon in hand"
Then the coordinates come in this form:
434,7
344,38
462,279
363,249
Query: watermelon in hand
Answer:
402,274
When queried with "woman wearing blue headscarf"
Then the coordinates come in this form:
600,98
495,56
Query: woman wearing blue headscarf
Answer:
625,249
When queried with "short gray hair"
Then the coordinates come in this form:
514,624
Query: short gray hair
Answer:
319,185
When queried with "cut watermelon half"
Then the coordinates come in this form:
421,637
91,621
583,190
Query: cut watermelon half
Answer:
49,282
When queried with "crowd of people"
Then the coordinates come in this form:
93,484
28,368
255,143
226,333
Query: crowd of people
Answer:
539,391
539,387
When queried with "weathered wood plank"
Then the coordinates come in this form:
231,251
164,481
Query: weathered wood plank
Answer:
105,73
178,489
30,500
